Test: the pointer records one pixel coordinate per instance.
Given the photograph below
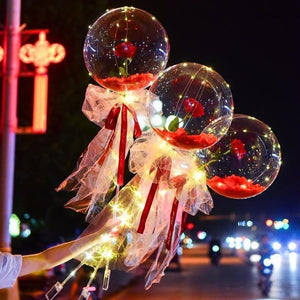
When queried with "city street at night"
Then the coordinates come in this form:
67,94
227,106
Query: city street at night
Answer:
134,130
232,279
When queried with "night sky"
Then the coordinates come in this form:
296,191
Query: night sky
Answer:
253,45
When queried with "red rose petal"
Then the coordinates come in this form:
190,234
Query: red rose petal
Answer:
238,148
130,83
181,139
193,107
234,186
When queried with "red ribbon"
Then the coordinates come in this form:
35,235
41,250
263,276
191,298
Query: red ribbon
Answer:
172,223
178,182
183,221
111,123
122,147
163,169
112,117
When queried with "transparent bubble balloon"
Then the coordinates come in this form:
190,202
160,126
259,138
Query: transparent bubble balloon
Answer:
125,49
245,162
191,106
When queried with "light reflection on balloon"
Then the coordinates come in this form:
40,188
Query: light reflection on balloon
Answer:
125,49
245,161
196,106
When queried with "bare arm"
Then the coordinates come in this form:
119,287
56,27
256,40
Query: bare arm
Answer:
57,255
47,259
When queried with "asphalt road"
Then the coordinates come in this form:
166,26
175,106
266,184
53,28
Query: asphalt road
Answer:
232,279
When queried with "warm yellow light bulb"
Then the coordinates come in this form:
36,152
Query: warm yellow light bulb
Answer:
115,207
162,193
164,146
125,217
198,175
130,98
107,253
137,194
105,238
88,255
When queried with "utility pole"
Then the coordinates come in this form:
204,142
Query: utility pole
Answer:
11,65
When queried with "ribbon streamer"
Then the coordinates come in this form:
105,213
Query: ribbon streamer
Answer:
99,169
163,170
111,123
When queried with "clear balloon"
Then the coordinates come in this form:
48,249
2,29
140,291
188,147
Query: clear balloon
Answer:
125,49
191,106
245,161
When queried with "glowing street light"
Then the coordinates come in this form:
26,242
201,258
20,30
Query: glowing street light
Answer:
1,53
41,54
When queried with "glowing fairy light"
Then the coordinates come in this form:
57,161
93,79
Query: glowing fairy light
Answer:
115,207
163,173
163,146
105,238
208,68
125,219
198,175
88,255
137,194
139,203
107,253
58,286
162,193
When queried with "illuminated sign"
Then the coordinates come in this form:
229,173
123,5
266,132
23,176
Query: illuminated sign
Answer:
41,55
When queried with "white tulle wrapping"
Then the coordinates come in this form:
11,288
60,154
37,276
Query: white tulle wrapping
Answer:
95,174
130,248
139,247
149,148
163,255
